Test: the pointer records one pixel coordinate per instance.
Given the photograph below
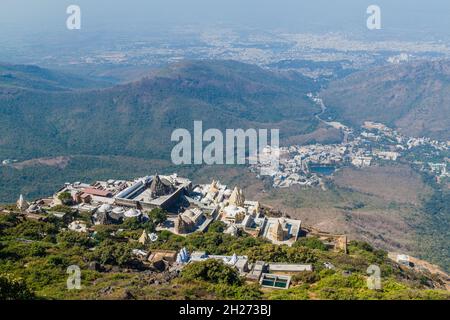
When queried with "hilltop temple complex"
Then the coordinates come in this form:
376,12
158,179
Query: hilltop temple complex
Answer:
190,208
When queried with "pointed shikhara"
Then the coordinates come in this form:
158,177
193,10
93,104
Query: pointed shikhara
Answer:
22,205
277,231
159,187
237,198
183,225
144,238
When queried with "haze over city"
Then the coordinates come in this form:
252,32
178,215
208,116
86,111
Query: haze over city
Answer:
404,18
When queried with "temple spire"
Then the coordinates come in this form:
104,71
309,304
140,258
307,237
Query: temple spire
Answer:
22,205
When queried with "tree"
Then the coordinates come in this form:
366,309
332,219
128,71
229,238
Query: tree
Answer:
72,238
66,198
8,221
135,224
158,216
104,232
267,252
275,253
113,253
217,226
311,242
212,271
12,288
308,277
34,230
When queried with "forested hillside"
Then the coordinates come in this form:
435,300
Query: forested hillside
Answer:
414,97
137,119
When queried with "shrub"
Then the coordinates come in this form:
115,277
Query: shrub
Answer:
38,249
113,253
295,293
158,215
12,288
8,221
57,260
359,245
311,242
217,226
34,230
353,281
244,292
135,224
72,238
104,232
66,198
14,250
212,271
308,277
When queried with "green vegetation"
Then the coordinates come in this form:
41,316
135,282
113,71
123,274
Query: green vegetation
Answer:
34,257
434,247
12,288
113,253
212,271
222,280
311,242
230,94
210,242
158,216
350,99
65,198
217,227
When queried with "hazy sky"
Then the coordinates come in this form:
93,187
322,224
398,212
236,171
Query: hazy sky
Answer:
25,17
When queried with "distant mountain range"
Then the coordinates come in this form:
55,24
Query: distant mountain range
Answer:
414,97
68,128
44,113
31,77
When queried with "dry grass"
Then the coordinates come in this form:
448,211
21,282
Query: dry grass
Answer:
392,183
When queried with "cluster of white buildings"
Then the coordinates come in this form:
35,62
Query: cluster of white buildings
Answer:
268,274
306,165
241,215
190,208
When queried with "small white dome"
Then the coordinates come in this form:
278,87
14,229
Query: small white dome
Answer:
232,210
132,213
104,208
118,210
232,230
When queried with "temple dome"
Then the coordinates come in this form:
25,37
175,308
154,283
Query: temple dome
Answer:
104,208
118,210
132,213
